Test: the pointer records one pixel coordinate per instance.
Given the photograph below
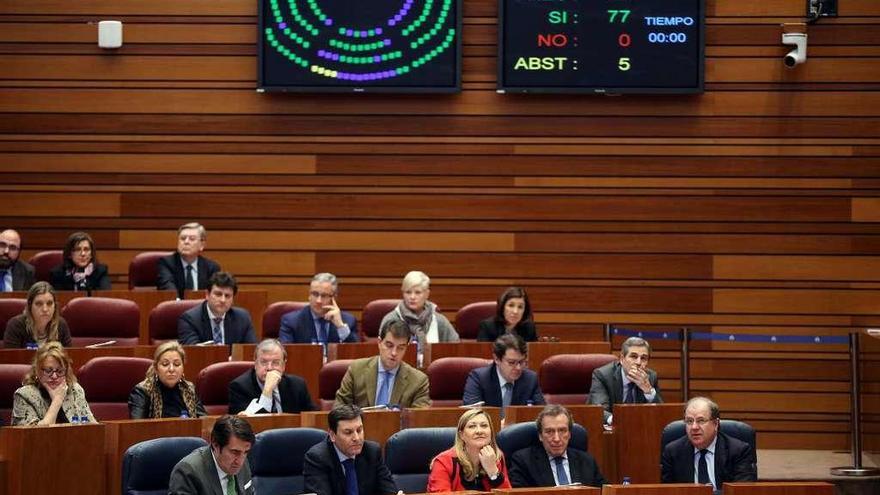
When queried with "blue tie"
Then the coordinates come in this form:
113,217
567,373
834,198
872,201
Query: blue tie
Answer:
703,469
322,332
630,394
2,280
351,477
384,390
218,331
560,471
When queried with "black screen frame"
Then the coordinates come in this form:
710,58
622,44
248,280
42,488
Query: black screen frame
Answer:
699,88
262,87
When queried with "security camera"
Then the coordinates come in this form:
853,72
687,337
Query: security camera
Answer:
799,54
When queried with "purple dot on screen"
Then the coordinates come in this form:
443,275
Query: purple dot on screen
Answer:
321,53
386,42
378,30
328,22
349,32
282,25
358,78
391,22
398,18
335,56
377,58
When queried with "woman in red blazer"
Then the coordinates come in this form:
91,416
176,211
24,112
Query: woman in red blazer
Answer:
474,463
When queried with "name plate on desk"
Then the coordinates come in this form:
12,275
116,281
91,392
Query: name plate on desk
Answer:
552,490
658,489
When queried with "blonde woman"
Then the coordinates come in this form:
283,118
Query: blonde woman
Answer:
49,392
474,463
165,393
419,314
39,323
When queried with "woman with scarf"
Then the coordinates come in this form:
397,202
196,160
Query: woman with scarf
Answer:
425,323
80,269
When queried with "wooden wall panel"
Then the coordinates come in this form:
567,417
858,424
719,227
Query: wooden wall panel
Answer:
751,208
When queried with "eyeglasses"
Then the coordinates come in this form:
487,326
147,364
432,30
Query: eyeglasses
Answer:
320,295
698,421
276,363
8,247
49,372
516,364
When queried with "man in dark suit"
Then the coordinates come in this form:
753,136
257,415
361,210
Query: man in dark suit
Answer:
15,274
322,321
385,379
506,382
186,269
220,468
706,455
346,464
626,381
265,388
216,319
553,463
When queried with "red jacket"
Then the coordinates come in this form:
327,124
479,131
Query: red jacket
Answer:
446,474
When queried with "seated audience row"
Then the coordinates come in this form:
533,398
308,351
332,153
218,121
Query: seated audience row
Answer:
79,268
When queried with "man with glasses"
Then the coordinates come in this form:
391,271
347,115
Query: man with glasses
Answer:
385,380
626,381
507,381
706,455
322,321
553,463
14,273
266,388
221,467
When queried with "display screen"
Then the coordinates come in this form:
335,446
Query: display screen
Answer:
601,46
367,45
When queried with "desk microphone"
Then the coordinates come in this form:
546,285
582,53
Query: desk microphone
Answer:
101,344
475,404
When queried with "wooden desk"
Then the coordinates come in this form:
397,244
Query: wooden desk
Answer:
258,422
458,349
590,417
658,489
122,434
357,350
550,490
378,425
781,488
443,416
79,355
58,459
304,360
637,429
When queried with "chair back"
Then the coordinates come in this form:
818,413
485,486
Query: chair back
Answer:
11,376
99,319
163,319
108,382
521,435
329,378
44,261
10,308
468,318
276,459
143,270
212,385
737,429
147,466
408,455
566,378
373,313
448,376
273,314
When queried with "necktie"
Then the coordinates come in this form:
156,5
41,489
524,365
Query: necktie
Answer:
190,281
3,281
384,390
217,330
630,393
351,477
322,332
703,469
506,394
560,471
230,485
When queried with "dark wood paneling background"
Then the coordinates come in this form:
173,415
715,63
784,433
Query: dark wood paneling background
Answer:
750,208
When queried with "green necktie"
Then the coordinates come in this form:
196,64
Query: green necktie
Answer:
230,485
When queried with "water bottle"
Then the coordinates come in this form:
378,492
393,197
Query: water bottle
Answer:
420,355
84,419
626,480
32,346
74,420
184,414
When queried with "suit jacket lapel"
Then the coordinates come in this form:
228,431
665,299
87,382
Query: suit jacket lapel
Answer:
542,466
494,388
720,458
210,472
400,383
617,381
371,374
